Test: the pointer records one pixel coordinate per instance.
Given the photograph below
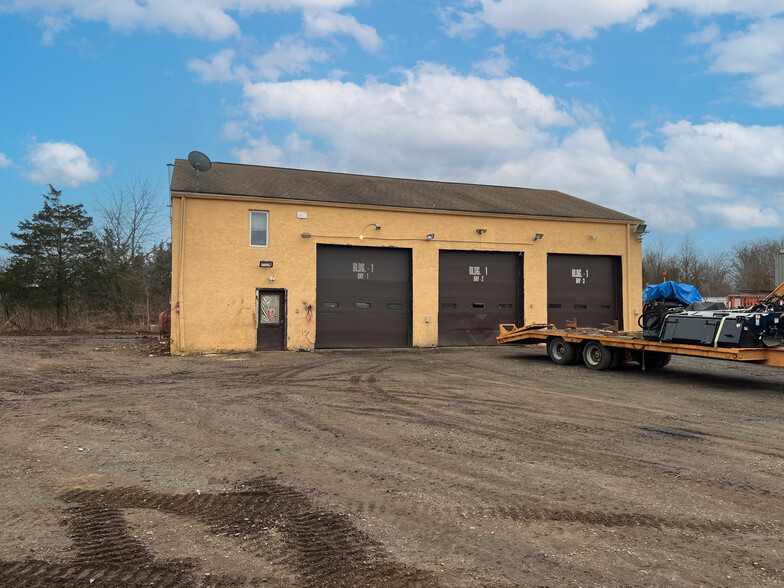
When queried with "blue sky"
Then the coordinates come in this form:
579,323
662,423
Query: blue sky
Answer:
670,110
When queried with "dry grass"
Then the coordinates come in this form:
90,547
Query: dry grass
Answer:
18,318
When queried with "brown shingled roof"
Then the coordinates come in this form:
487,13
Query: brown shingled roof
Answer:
233,179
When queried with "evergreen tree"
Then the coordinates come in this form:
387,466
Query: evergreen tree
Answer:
56,260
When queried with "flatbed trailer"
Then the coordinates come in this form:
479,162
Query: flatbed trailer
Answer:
600,349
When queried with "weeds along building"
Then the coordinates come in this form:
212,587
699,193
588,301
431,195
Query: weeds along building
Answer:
271,258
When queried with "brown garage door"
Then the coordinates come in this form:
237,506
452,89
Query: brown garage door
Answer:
363,297
585,287
477,291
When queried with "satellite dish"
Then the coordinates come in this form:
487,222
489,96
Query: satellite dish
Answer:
199,162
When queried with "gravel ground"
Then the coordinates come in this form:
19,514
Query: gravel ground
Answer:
122,466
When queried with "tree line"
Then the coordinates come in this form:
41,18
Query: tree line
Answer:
64,271
746,265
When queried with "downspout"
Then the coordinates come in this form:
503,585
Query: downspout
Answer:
627,305
181,326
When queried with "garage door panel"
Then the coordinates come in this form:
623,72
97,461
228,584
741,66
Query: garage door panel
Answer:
585,287
363,297
478,290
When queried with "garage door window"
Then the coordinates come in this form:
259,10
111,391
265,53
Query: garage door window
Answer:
259,222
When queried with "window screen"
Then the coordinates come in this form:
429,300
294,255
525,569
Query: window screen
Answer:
258,228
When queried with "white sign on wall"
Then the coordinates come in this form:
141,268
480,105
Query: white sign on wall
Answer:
362,270
475,272
579,275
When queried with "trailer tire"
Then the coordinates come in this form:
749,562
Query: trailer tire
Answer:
654,360
561,352
596,356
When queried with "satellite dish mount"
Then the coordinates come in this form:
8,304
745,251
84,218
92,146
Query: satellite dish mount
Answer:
199,162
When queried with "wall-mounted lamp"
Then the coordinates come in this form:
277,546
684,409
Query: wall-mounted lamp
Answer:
376,225
480,231
594,236
271,278
431,236
639,229
265,263
538,236
306,235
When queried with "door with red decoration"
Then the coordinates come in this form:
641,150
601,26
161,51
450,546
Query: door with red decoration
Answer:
270,320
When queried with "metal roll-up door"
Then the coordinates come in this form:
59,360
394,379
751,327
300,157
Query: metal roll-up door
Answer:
585,287
363,297
477,291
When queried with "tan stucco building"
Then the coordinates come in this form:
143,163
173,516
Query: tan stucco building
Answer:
271,258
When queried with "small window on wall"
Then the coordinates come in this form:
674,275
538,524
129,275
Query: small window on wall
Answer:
258,228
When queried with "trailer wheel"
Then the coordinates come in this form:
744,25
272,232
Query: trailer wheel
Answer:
559,351
653,359
596,356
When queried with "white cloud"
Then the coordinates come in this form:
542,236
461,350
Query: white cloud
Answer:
706,36
327,23
437,124
217,69
496,64
51,25
742,216
289,56
576,17
233,130
562,57
758,53
581,19
62,163
5,161
208,19
433,120
295,152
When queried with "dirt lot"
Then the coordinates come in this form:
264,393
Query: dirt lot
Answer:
448,467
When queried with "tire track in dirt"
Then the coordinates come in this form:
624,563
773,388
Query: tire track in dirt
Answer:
322,547
44,574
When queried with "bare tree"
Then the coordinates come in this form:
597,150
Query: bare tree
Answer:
716,280
689,262
752,263
656,260
133,214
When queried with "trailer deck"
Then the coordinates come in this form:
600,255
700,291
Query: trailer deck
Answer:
633,343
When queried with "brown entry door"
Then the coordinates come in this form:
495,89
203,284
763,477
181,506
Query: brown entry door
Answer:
584,287
271,320
477,291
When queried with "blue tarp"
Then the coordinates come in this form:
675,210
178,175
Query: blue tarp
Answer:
683,292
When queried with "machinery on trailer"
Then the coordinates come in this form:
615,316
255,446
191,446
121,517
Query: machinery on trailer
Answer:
670,327
675,313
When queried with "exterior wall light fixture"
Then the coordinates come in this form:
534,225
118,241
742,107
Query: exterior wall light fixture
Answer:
480,231
594,236
306,235
538,236
431,236
376,225
640,228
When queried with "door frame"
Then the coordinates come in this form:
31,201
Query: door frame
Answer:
283,314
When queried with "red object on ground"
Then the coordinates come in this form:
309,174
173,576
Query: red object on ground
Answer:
164,323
